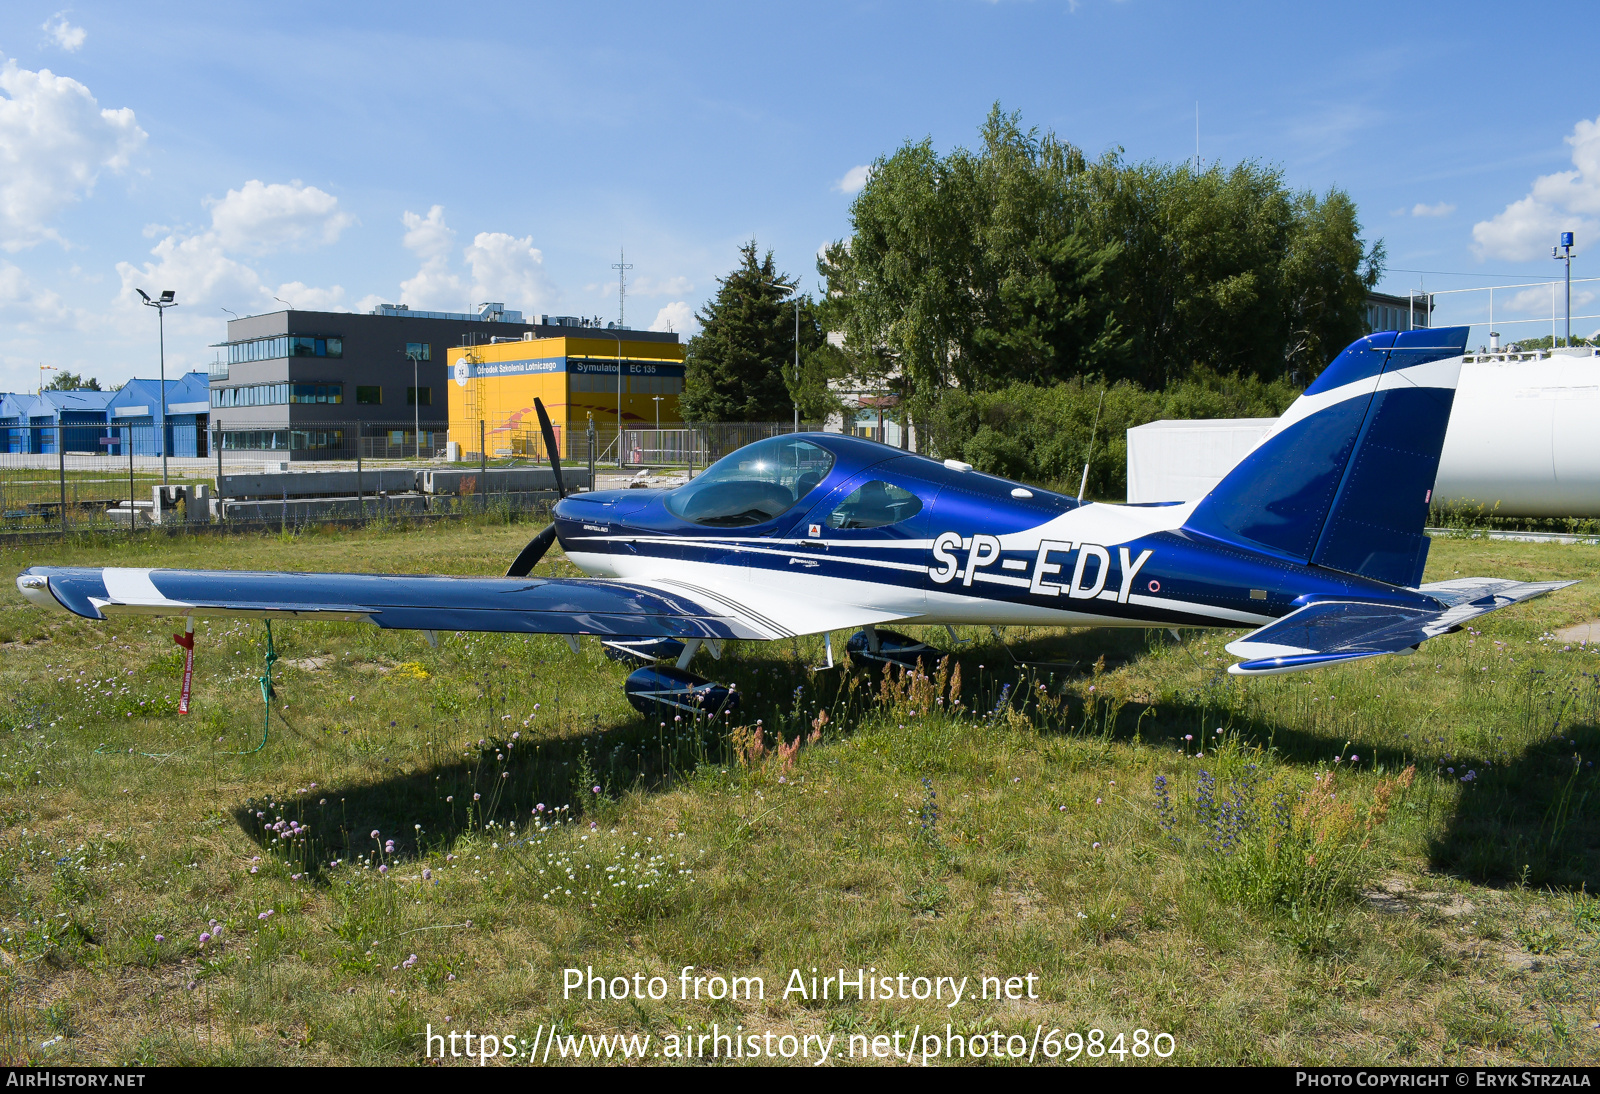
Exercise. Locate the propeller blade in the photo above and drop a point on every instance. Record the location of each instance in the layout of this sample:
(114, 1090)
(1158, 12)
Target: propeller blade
(524, 563)
(550, 446)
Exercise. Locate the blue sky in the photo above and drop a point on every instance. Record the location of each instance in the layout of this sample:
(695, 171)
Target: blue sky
(341, 155)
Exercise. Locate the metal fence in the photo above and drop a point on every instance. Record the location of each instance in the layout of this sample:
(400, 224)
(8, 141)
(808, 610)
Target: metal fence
(78, 476)
(700, 444)
(92, 476)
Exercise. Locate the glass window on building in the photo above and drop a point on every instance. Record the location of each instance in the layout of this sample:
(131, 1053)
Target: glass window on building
(255, 439)
(422, 351)
(369, 396)
(656, 385)
(302, 440)
(305, 345)
(419, 396)
(593, 382)
(317, 393)
(258, 349)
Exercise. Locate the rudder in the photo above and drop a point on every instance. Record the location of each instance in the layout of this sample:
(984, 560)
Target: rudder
(1345, 478)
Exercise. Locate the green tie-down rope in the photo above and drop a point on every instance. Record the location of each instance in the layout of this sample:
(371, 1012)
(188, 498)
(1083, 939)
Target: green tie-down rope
(267, 693)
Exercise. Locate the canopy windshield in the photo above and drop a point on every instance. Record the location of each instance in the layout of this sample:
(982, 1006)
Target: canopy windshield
(758, 483)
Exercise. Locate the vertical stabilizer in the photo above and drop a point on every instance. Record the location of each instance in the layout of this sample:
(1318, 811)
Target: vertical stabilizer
(1345, 477)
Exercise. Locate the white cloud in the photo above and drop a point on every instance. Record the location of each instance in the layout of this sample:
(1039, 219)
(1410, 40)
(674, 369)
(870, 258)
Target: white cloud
(1441, 209)
(25, 304)
(259, 218)
(677, 316)
(508, 270)
(854, 179)
(435, 287)
(1562, 202)
(201, 273)
(311, 298)
(67, 36)
(429, 236)
(54, 143)
(202, 269)
(1537, 301)
(501, 267)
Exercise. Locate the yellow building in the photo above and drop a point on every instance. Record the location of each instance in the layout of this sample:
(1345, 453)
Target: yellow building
(493, 386)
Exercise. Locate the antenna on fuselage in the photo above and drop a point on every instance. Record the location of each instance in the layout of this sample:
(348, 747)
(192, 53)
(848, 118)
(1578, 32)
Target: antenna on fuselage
(1083, 484)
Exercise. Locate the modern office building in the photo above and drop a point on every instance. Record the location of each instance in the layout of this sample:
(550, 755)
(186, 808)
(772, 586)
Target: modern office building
(575, 375)
(311, 383)
(1385, 312)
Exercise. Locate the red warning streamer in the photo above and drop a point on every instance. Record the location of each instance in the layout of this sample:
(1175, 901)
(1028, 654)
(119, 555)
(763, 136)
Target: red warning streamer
(186, 640)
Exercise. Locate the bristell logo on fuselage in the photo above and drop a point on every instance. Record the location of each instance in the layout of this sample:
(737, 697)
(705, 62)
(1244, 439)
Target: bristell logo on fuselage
(957, 557)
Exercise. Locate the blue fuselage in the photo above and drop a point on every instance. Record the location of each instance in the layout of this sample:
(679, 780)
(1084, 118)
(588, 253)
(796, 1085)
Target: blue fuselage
(978, 549)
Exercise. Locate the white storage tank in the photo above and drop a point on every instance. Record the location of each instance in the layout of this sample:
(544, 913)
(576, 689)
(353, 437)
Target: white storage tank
(1523, 441)
(1524, 436)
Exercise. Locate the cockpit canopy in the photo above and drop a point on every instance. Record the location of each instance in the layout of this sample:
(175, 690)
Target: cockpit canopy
(758, 483)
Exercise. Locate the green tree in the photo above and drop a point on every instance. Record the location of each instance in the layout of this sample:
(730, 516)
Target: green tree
(71, 381)
(967, 270)
(740, 367)
(1025, 262)
(1045, 435)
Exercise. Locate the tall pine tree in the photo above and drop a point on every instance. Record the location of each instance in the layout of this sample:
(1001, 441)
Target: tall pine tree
(736, 367)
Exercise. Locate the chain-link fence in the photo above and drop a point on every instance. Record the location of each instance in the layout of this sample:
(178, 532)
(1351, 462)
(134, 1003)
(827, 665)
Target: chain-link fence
(700, 444)
(91, 476)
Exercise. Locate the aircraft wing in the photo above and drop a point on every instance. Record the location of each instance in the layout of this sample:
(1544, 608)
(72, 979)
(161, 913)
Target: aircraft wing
(518, 605)
(1331, 632)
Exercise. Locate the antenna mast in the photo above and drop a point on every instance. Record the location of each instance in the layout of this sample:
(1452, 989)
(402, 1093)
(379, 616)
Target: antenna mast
(622, 266)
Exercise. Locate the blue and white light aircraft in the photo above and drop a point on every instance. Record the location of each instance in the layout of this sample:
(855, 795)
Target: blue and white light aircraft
(1315, 541)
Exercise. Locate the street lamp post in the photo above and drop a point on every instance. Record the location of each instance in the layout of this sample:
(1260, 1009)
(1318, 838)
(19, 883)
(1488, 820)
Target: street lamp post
(618, 336)
(416, 406)
(161, 307)
(795, 288)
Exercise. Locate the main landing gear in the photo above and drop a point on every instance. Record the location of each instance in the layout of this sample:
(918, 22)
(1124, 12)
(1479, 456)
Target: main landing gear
(874, 647)
(656, 686)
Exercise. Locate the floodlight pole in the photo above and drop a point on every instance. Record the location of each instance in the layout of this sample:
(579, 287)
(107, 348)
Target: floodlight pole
(161, 307)
(1563, 253)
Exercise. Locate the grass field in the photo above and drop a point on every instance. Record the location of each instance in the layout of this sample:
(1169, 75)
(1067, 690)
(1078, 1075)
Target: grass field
(1389, 862)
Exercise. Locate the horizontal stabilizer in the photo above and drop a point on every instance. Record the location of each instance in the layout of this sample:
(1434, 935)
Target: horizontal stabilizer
(1334, 631)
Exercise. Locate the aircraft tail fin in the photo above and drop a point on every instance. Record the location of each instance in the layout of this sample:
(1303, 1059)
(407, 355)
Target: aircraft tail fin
(1345, 478)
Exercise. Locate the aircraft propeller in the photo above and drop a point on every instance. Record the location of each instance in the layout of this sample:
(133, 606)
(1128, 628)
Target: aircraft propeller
(524, 563)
